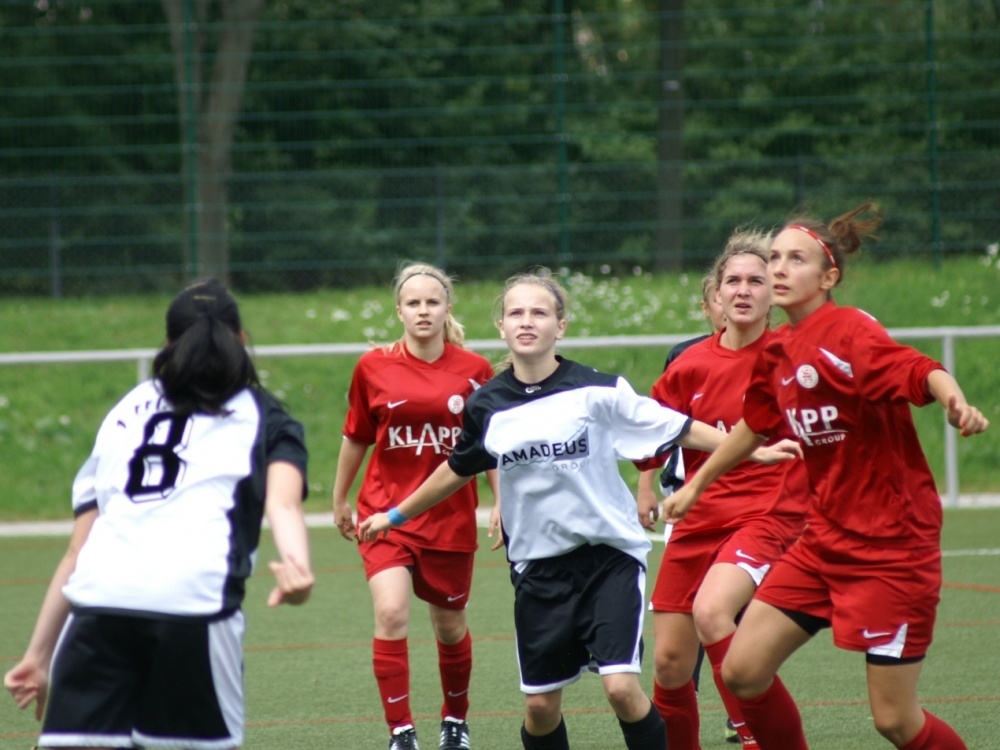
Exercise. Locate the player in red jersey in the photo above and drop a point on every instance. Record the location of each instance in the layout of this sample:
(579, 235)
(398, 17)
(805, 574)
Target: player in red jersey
(869, 562)
(716, 558)
(407, 400)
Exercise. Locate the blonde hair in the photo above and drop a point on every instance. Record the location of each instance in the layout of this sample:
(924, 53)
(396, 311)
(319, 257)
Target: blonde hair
(754, 242)
(539, 276)
(454, 332)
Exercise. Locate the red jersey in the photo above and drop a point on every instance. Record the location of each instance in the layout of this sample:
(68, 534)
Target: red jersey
(411, 411)
(844, 388)
(707, 382)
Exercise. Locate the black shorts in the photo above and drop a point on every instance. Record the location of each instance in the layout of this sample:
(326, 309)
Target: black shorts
(127, 681)
(579, 611)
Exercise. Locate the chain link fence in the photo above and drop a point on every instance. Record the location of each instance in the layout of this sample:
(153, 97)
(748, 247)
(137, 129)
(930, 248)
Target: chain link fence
(292, 145)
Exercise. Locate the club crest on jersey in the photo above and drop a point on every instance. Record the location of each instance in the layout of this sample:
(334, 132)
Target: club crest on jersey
(574, 449)
(455, 404)
(807, 376)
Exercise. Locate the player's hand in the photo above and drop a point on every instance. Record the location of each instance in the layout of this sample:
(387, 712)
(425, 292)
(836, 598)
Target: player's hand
(648, 507)
(343, 518)
(28, 682)
(495, 528)
(678, 504)
(372, 526)
(783, 450)
(966, 418)
(294, 583)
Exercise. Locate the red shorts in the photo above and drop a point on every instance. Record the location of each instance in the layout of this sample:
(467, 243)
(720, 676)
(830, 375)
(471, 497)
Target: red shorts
(440, 578)
(753, 547)
(882, 601)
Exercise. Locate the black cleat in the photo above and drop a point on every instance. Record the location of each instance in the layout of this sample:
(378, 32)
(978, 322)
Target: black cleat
(454, 735)
(405, 740)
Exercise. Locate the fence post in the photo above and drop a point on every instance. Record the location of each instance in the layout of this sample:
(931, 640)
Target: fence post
(950, 434)
(142, 369)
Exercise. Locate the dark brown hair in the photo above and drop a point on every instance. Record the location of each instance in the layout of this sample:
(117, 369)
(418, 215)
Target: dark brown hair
(204, 362)
(843, 235)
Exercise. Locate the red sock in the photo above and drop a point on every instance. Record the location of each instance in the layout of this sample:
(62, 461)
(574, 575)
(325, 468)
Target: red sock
(392, 672)
(716, 652)
(774, 720)
(679, 709)
(936, 735)
(455, 662)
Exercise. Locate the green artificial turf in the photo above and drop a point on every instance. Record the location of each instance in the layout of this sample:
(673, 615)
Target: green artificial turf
(308, 670)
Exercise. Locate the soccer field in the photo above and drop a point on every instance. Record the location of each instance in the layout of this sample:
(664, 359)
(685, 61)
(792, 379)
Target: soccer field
(308, 670)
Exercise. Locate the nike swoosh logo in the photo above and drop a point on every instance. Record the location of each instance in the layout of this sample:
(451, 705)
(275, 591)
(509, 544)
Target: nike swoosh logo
(866, 634)
(396, 700)
(394, 404)
(739, 553)
(786, 381)
(696, 396)
(455, 695)
(455, 598)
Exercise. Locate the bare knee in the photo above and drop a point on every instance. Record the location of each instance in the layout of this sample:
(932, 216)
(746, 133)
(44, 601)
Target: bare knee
(898, 724)
(392, 619)
(743, 680)
(542, 712)
(673, 667)
(713, 619)
(449, 625)
(625, 696)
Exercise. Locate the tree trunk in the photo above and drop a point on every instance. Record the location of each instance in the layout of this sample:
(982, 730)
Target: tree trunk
(217, 108)
(669, 252)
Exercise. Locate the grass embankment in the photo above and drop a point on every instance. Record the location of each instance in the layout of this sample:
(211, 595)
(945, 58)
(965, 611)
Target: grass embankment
(49, 414)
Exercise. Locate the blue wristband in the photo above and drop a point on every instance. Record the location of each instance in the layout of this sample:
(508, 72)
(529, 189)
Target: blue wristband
(396, 518)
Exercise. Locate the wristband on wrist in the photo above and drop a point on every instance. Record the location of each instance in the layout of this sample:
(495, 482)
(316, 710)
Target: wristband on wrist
(396, 518)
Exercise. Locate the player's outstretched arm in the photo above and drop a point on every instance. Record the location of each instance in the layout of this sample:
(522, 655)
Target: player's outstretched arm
(283, 506)
(961, 415)
(441, 484)
(349, 462)
(29, 680)
(739, 445)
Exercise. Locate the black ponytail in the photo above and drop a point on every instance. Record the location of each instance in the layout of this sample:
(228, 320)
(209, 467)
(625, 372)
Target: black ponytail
(204, 362)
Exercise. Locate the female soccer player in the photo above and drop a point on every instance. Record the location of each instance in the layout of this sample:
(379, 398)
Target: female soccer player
(407, 399)
(556, 429)
(716, 558)
(139, 640)
(869, 562)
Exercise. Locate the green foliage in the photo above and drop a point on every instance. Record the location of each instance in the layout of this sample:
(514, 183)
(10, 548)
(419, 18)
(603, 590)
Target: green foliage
(442, 130)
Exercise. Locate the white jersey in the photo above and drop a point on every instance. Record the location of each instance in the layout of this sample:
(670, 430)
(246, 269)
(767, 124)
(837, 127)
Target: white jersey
(180, 501)
(556, 444)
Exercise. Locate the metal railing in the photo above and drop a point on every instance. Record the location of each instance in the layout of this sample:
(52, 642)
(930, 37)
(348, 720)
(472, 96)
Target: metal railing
(144, 358)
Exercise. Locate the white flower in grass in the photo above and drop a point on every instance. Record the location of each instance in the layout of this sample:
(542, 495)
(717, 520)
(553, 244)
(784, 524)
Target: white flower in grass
(940, 301)
(637, 271)
(369, 332)
(310, 313)
(339, 315)
(605, 270)
(64, 420)
(4, 402)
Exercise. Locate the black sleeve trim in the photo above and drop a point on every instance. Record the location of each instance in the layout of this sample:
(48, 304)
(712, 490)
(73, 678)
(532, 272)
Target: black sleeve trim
(667, 447)
(79, 511)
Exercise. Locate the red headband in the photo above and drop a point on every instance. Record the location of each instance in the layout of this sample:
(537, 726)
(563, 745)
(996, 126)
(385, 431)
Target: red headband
(815, 236)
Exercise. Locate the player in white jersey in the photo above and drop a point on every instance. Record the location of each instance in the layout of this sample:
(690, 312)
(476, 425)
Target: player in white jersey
(555, 430)
(139, 640)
